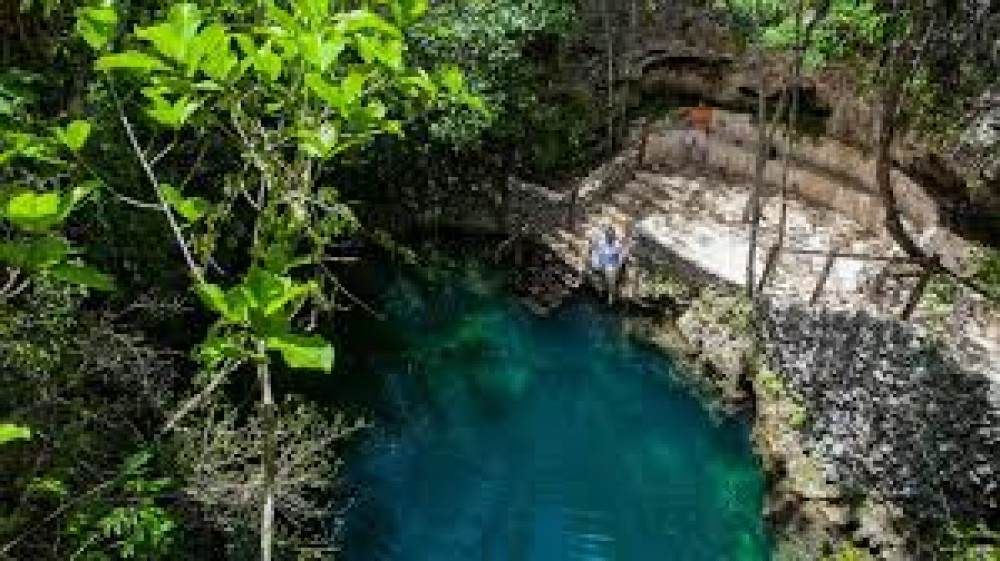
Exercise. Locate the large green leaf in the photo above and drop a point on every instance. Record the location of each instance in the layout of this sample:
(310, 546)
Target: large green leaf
(267, 63)
(96, 25)
(300, 351)
(326, 91)
(314, 11)
(286, 23)
(82, 275)
(33, 211)
(321, 52)
(175, 37)
(320, 142)
(132, 60)
(217, 348)
(75, 134)
(213, 296)
(35, 254)
(173, 115)
(405, 12)
(10, 432)
(360, 20)
(271, 292)
(41, 211)
(191, 209)
(218, 60)
(453, 80)
(389, 51)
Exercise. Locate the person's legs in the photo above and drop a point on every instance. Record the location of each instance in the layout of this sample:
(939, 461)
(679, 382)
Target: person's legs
(610, 283)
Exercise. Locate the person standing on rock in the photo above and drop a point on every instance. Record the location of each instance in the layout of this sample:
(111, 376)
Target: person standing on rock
(607, 255)
(699, 125)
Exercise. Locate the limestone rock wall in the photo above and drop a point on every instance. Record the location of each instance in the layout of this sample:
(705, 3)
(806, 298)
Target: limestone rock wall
(823, 171)
(886, 415)
(669, 49)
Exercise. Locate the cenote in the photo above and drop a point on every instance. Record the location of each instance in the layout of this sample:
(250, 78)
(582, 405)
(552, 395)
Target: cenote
(500, 436)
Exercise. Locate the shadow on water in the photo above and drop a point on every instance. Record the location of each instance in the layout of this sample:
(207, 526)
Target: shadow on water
(499, 436)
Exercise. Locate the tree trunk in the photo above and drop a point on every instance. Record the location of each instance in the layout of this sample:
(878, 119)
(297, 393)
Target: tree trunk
(917, 294)
(268, 461)
(610, 50)
(772, 259)
(887, 109)
(823, 276)
(759, 170)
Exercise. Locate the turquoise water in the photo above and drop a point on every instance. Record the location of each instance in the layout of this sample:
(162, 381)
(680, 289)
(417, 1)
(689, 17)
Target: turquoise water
(499, 436)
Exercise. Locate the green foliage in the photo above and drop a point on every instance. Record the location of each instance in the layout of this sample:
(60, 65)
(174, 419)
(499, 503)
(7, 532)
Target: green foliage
(769, 384)
(260, 307)
(74, 135)
(191, 209)
(35, 216)
(16, 94)
(971, 542)
(237, 114)
(848, 552)
(82, 275)
(988, 272)
(338, 78)
(36, 212)
(11, 433)
(300, 351)
(96, 25)
(138, 528)
(847, 29)
(488, 40)
(64, 372)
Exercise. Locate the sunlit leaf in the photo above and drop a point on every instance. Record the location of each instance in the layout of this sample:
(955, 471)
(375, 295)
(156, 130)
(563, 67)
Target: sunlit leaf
(173, 115)
(267, 63)
(218, 348)
(300, 351)
(31, 210)
(314, 10)
(358, 20)
(284, 20)
(174, 38)
(132, 60)
(213, 297)
(272, 292)
(321, 52)
(10, 432)
(389, 52)
(191, 209)
(453, 80)
(96, 25)
(212, 53)
(75, 135)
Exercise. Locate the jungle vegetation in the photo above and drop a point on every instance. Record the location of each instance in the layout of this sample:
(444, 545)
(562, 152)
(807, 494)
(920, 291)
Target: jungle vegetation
(182, 184)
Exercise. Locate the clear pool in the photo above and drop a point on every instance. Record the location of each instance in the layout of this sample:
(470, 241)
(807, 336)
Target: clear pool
(500, 436)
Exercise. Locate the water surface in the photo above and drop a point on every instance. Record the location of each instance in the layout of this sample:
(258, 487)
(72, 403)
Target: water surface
(502, 437)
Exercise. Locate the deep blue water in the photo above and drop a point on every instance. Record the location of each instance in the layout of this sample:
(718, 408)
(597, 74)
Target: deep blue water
(501, 437)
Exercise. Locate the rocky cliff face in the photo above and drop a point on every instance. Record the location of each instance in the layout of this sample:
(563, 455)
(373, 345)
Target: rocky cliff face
(886, 419)
(664, 52)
